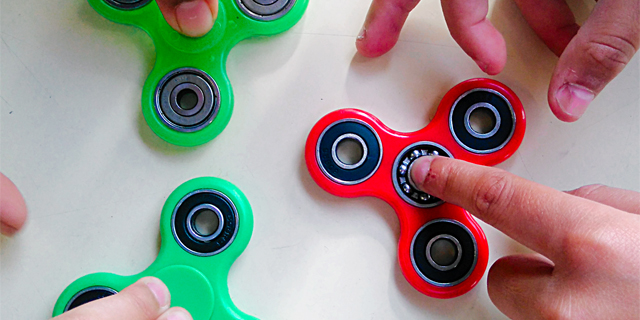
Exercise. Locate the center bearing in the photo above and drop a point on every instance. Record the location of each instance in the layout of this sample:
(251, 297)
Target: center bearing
(402, 182)
(443, 252)
(127, 4)
(187, 99)
(186, 231)
(265, 10)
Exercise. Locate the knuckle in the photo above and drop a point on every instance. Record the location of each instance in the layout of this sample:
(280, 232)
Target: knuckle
(573, 244)
(560, 310)
(610, 52)
(586, 248)
(407, 6)
(585, 191)
(491, 194)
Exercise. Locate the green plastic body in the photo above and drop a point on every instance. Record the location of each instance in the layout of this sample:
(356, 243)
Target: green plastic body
(196, 283)
(207, 53)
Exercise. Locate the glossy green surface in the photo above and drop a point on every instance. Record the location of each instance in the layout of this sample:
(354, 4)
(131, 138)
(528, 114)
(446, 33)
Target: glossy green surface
(196, 283)
(207, 53)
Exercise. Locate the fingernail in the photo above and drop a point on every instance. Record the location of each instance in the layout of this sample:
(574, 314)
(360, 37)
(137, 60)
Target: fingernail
(574, 99)
(420, 170)
(179, 314)
(159, 290)
(362, 34)
(483, 66)
(194, 18)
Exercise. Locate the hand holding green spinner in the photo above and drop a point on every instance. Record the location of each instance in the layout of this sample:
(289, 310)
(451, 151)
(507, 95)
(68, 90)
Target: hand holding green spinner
(187, 99)
(193, 262)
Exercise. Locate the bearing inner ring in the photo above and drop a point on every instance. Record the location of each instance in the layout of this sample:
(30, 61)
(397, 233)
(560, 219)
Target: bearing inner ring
(127, 4)
(457, 247)
(336, 158)
(477, 142)
(265, 10)
(183, 222)
(192, 227)
(87, 295)
(182, 89)
(177, 83)
(432, 272)
(496, 116)
(402, 182)
(338, 171)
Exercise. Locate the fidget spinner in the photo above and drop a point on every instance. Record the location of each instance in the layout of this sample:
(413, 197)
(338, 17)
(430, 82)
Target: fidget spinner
(187, 99)
(205, 225)
(442, 250)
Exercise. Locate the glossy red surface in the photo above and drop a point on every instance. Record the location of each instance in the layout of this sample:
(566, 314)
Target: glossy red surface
(380, 184)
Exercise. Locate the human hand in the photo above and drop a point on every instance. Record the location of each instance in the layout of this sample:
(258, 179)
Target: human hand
(146, 299)
(13, 210)
(589, 238)
(589, 59)
(193, 18)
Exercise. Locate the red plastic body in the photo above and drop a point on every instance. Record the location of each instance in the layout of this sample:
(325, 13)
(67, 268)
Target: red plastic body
(380, 184)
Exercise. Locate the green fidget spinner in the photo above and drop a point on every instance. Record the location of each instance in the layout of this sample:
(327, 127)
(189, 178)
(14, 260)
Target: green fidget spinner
(205, 225)
(187, 99)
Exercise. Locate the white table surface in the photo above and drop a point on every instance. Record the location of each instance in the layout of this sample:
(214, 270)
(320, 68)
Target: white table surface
(95, 177)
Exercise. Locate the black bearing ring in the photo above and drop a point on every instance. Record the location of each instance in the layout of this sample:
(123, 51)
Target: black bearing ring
(183, 222)
(87, 295)
(349, 174)
(402, 182)
(502, 113)
(195, 82)
(127, 4)
(465, 246)
(265, 10)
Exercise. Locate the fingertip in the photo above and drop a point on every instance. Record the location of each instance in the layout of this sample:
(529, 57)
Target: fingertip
(597, 53)
(491, 68)
(195, 18)
(419, 171)
(492, 54)
(7, 230)
(382, 26)
(372, 45)
(569, 101)
(13, 209)
(159, 290)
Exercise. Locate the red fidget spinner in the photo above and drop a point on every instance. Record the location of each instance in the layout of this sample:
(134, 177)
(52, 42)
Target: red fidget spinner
(442, 250)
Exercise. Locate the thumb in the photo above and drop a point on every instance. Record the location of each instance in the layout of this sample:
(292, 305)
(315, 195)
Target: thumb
(146, 299)
(518, 285)
(600, 50)
(193, 18)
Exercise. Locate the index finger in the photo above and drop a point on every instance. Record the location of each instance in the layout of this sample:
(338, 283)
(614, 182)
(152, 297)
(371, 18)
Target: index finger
(469, 26)
(543, 219)
(382, 26)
